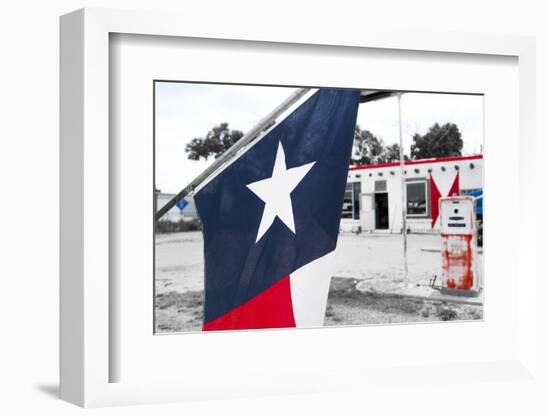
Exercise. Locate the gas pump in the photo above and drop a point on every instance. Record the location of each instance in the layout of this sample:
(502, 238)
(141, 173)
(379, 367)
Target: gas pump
(459, 246)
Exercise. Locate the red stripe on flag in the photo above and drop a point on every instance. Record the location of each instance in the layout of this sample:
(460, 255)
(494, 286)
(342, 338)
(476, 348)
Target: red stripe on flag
(270, 309)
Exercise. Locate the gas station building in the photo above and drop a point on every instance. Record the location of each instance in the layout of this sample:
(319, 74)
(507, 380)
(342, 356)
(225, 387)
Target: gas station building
(373, 199)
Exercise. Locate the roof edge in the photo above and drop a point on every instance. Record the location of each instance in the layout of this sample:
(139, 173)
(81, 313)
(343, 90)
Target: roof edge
(418, 162)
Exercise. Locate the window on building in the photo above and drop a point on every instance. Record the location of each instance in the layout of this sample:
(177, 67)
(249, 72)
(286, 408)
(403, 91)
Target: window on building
(417, 198)
(351, 207)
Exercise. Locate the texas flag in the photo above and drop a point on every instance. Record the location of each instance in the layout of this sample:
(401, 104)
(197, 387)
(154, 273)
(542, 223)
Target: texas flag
(271, 218)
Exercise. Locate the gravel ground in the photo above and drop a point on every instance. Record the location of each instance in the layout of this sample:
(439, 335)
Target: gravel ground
(178, 311)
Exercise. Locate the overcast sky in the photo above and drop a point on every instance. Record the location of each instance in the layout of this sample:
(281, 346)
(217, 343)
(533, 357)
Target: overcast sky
(185, 111)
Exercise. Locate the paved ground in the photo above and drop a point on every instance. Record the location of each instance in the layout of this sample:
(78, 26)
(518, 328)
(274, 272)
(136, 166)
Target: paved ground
(368, 266)
(375, 259)
(179, 262)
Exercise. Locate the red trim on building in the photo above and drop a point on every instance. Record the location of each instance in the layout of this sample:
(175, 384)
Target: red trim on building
(434, 200)
(419, 162)
(435, 195)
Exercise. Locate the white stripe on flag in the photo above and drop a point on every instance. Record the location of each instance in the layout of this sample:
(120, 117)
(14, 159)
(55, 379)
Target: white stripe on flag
(309, 287)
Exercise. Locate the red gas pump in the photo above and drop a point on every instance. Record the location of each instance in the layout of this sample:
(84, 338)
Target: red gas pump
(459, 245)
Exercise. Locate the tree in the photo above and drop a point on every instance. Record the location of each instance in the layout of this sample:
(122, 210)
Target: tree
(439, 141)
(366, 146)
(216, 142)
(371, 150)
(391, 154)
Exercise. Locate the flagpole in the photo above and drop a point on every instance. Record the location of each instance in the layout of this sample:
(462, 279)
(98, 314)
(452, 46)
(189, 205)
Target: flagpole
(403, 190)
(234, 149)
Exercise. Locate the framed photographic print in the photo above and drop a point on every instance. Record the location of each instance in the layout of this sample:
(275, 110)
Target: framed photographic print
(220, 192)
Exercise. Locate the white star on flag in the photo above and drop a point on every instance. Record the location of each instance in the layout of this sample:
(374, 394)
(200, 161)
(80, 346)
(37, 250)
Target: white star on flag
(275, 192)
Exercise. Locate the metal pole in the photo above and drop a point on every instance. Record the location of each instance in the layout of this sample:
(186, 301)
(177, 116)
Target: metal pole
(403, 190)
(266, 122)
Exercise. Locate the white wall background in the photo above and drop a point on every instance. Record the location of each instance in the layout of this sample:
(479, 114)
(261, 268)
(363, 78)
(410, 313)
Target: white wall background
(29, 203)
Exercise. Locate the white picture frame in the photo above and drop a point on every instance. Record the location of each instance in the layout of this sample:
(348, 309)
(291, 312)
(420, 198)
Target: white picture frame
(85, 222)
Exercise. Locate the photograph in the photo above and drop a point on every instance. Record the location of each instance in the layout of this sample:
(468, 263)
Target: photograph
(287, 207)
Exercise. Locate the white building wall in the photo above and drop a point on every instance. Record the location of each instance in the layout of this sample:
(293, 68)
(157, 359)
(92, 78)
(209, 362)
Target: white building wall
(443, 172)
